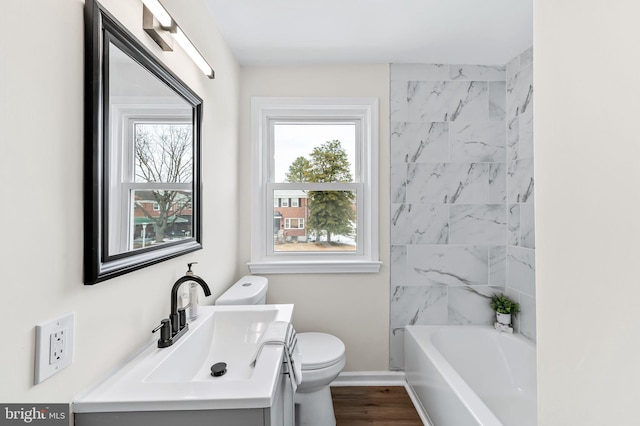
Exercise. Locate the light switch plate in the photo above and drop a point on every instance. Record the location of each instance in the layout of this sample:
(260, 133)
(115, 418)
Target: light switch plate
(54, 346)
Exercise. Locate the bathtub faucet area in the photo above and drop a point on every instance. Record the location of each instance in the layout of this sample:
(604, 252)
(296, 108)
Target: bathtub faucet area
(174, 327)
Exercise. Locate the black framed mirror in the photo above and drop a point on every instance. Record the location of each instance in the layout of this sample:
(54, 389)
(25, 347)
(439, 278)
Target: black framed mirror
(142, 154)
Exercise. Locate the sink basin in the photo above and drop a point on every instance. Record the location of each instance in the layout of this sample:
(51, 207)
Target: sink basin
(179, 377)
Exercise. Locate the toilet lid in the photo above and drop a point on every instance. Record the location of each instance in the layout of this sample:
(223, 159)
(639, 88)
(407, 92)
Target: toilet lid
(319, 350)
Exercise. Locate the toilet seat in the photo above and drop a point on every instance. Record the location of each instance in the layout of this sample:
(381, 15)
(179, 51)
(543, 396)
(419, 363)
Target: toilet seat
(319, 350)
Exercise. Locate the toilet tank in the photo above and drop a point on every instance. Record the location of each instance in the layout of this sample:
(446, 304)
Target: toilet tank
(248, 290)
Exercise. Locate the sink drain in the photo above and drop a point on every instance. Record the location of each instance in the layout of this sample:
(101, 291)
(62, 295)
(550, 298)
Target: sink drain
(218, 369)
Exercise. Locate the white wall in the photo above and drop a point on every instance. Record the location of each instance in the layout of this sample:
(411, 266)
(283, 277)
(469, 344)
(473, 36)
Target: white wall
(41, 114)
(587, 167)
(354, 307)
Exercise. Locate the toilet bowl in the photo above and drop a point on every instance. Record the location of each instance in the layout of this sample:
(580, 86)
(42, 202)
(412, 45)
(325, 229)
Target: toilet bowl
(322, 357)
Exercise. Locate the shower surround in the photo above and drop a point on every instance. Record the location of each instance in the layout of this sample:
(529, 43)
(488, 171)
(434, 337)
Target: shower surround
(461, 194)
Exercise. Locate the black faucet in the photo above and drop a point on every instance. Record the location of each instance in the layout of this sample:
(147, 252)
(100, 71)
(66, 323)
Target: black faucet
(172, 328)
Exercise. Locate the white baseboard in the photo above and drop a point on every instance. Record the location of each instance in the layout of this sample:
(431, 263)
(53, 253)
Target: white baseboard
(370, 378)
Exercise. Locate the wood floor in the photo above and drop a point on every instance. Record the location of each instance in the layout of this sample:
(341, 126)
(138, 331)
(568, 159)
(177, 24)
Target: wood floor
(373, 405)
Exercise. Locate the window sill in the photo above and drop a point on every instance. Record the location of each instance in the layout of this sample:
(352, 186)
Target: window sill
(315, 267)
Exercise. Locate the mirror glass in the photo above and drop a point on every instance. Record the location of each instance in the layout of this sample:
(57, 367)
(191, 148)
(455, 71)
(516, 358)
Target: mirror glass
(142, 152)
(150, 159)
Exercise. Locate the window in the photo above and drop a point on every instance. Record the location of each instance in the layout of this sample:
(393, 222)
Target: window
(318, 156)
(152, 187)
(294, 223)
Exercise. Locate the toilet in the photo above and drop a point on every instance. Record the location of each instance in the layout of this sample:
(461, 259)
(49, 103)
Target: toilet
(322, 356)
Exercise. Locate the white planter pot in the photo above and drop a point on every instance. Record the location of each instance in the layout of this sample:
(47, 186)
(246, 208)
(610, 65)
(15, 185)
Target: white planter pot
(503, 318)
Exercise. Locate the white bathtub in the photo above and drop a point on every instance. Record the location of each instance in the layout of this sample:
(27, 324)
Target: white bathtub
(472, 375)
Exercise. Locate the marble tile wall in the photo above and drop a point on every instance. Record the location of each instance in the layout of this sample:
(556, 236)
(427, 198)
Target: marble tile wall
(520, 282)
(456, 169)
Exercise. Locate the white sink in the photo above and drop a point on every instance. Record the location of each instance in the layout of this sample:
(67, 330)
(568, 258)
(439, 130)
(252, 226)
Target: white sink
(179, 377)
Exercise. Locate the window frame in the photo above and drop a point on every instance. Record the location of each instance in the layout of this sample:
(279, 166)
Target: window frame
(265, 111)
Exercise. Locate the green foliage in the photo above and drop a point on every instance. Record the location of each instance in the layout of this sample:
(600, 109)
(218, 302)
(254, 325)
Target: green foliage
(330, 163)
(330, 212)
(298, 170)
(504, 305)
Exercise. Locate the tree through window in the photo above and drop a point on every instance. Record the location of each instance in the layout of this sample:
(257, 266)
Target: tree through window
(163, 154)
(329, 213)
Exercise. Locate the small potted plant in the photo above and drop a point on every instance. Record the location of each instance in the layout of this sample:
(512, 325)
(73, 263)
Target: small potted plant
(504, 307)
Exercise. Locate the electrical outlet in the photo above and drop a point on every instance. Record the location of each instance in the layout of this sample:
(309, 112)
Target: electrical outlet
(54, 346)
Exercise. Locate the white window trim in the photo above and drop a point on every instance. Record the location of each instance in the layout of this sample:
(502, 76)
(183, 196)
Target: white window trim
(264, 260)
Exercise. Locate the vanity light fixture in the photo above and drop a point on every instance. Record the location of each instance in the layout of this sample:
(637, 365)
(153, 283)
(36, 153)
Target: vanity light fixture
(160, 13)
(161, 27)
(193, 53)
